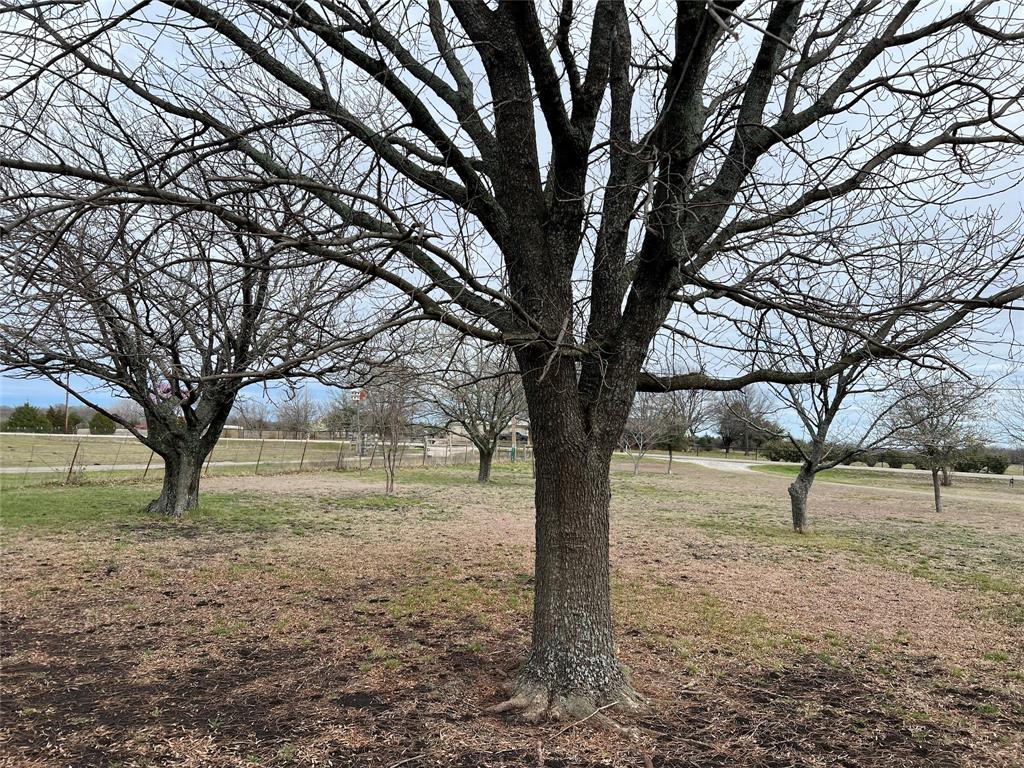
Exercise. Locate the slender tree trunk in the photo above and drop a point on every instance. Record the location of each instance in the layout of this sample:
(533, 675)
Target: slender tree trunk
(180, 491)
(798, 492)
(389, 452)
(947, 477)
(483, 474)
(937, 487)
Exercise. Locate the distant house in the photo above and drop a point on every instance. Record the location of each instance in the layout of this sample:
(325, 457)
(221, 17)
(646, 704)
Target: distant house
(522, 425)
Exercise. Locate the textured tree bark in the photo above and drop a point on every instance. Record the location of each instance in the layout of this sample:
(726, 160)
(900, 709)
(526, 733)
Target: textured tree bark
(798, 491)
(184, 449)
(483, 474)
(937, 487)
(572, 668)
(180, 491)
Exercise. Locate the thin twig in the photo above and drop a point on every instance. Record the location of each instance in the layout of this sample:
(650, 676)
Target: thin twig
(573, 725)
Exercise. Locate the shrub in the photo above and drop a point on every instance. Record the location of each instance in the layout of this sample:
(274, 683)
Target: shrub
(27, 418)
(779, 450)
(101, 425)
(996, 463)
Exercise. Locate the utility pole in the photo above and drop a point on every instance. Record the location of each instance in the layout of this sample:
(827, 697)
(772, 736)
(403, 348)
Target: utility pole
(67, 395)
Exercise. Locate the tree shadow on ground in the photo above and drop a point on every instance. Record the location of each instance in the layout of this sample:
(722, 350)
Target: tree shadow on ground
(88, 698)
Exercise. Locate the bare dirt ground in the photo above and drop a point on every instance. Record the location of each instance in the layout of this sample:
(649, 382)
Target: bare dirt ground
(306, 620)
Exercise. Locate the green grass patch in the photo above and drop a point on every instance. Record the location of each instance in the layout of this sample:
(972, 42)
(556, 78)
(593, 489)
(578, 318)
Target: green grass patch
(884, 478)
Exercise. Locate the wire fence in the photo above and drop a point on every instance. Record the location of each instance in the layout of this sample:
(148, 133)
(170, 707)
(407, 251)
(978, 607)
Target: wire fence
(36, 459)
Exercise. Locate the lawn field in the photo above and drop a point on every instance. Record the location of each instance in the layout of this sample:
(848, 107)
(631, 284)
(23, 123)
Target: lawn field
(97, 451)
(310, 620)
(37, 459)
(903, 478)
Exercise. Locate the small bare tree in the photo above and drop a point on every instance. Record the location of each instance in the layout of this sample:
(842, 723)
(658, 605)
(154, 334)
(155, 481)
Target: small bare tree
(1011, 415)
(391, 408)
(818, 405)
(299, 414)
(650, 423)
(479, 391)
(744, 417)
(944, 414)
(130, 412)
(252, 414)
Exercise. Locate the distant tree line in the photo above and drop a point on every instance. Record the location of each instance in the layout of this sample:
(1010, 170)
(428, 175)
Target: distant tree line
(976, 458)
(30, 418)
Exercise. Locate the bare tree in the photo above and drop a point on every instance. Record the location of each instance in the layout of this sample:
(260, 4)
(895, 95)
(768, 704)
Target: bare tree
(1011, 415)
(176, 315)
(692, 411)
(650, 422)
(818, 405)
(391, 409)
(943, 413)
(846, 414)
(479, 390)
(744, 417)
(610, 192)
(130, 412)
(299, 414)
(340, 415)
(252, 413)
(688, 412)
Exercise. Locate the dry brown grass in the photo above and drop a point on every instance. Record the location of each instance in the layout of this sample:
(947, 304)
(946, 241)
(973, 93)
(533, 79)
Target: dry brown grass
(336, 627)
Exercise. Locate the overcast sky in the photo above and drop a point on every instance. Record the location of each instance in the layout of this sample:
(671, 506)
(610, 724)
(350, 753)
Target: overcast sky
(997, 361)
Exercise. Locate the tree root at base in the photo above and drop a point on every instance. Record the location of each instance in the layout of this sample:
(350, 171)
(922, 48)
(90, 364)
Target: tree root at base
(160, 507)
(535, 702)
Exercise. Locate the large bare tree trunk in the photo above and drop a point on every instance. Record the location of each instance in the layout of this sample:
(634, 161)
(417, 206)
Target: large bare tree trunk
(937, 487)
(572, 667)
(798, 492)
(180, 491)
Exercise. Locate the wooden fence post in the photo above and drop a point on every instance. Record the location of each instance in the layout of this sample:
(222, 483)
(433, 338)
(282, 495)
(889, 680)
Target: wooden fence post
(117, 455)
(73, 459)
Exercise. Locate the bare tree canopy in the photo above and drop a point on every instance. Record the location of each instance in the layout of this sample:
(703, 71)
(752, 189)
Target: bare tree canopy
(391, 408)
(478, 390)
(1011, 416)
(939, 418)
(176, 315)
(618, 192)
(829, 431)
(650, 422)
(745, 419)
